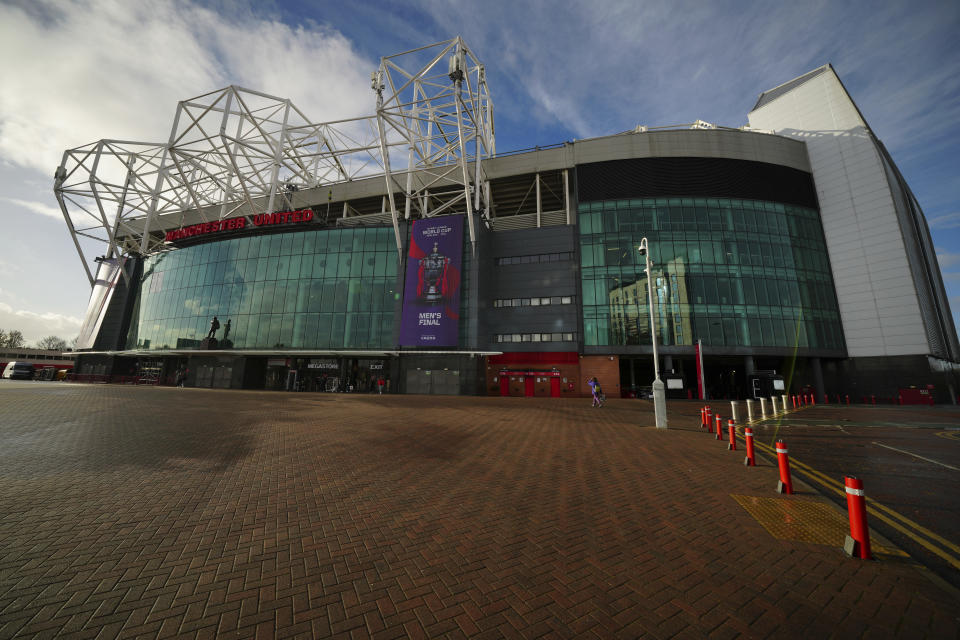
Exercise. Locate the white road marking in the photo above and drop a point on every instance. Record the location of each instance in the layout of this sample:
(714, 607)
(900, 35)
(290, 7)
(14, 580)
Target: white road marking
(916, 456)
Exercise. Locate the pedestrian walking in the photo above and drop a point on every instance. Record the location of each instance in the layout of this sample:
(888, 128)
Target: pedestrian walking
(380, 385)
(596, 391)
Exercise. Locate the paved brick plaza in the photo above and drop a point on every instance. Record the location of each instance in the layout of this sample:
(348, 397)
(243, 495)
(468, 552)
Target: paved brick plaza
(182, 512)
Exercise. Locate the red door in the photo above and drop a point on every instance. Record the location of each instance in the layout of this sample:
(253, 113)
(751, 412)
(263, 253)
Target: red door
(528, 386)
(554, 387)
(504, 385)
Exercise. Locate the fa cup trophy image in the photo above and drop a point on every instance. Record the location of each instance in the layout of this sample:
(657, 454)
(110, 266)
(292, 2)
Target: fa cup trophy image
(432, 283)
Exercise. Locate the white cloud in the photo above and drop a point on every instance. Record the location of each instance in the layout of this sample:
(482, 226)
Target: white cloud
(947, 258)
(113, 69)
(37, 207)
(945, 221)
(35, 326)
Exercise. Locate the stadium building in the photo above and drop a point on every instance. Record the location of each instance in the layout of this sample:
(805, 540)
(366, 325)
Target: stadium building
(257, 249)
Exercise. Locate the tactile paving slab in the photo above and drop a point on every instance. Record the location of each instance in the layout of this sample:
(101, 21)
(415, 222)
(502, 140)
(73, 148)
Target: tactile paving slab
(802, 520)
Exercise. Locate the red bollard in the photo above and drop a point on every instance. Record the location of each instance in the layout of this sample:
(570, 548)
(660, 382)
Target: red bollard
(732, 445)
(848, 398)
(784, 485)
(703, 417)
(709, 420)
(858, 542)
(793, 399)
(751, 459)
(826, 398)
(873, 399)
(813, 399)
(719, 428)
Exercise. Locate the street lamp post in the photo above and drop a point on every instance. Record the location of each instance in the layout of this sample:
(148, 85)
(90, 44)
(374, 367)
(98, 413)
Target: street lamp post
(659, 393)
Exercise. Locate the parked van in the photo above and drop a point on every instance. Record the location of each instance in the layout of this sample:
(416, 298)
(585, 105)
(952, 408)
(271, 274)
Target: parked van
(18, 370)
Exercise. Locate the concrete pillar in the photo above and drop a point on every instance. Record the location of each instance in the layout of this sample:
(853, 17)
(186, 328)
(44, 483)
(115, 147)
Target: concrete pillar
(818, 378)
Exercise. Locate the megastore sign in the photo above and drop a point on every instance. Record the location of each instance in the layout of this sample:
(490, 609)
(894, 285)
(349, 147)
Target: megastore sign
(234, 224)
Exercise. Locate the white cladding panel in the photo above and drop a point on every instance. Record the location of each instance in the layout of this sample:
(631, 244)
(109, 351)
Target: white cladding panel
(875, 290)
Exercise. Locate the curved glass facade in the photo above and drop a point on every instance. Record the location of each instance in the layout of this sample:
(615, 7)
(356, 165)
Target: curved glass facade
(734, 273)
(301, 290)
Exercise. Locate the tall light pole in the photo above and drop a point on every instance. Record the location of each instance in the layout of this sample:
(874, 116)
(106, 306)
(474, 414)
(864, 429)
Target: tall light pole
(659, 393)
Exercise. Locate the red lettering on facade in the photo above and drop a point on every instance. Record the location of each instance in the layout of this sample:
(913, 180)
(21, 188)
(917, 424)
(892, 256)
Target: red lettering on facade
(260, 219)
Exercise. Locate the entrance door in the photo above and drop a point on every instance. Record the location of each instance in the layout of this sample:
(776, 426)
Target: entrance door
(529, 386)
(554, 387)
(504, 385)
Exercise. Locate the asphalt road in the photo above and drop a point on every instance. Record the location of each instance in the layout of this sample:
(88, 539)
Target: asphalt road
(908, 459)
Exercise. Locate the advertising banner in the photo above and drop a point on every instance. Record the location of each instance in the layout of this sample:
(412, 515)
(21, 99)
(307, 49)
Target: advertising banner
(431, 293)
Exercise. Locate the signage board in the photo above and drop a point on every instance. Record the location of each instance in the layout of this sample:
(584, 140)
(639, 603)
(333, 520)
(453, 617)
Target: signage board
(431, 293)
(235, 224)
(323, 364)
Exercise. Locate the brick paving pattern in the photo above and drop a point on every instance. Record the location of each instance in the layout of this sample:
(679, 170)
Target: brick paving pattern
(156, 512)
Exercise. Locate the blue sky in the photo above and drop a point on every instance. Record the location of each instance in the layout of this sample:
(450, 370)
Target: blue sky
(557, 71)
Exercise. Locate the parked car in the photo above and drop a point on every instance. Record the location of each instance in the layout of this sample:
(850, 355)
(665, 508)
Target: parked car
(47, 373)
(18, 371)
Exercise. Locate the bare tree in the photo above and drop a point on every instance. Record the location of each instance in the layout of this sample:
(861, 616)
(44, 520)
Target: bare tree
(3, 338)
(53, 343)
(14, 339)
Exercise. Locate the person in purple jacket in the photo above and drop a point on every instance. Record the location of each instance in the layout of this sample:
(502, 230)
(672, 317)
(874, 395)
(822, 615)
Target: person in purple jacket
(597, 393)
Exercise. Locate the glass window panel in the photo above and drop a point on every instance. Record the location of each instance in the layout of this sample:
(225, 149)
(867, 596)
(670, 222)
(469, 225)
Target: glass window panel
(254, 246)
(710, 290)
(340, 296)
(773, 292)
(760, 288)
(285, 336)
(320, 266)
(266, 300)
(283, 267)
(309, 242)
(263, 331)
(324, 322)
(723, 290)
(279, 296)
(380, 268)
(586, 254)
(356, 265)
(271, 248)
(337, 328)
(262, 264)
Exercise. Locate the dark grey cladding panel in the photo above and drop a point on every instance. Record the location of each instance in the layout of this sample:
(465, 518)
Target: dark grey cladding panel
(769, 96)
(542, 279)
(694, 177)
(533, 319)
(533, 241)
(533, 279)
